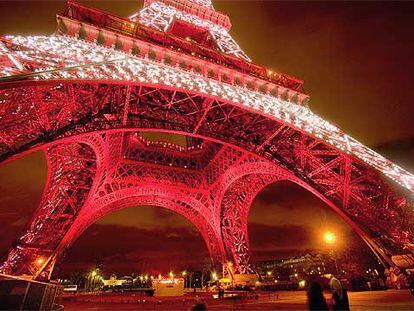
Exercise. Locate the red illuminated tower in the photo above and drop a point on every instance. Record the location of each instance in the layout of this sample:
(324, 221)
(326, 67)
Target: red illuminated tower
(86, 94)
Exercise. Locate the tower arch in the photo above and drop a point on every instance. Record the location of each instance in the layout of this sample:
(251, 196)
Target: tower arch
(79, 95)
(211, 238)
(235, 208)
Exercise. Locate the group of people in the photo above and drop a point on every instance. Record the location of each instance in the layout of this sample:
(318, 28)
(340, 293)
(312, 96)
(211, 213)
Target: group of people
(317, 301)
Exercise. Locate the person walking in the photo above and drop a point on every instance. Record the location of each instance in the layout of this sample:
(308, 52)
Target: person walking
(316, 300)
(339, 295)
(412, 286)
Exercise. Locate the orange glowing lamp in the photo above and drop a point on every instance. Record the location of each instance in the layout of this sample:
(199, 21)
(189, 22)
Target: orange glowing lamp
(40, 261)
(329, 237)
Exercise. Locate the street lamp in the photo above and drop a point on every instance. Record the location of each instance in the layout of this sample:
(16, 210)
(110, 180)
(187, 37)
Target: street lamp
(329, 237)
(40, 261)
(184, 274)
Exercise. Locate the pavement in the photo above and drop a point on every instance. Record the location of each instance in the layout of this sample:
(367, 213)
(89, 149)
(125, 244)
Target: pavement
(284, 300)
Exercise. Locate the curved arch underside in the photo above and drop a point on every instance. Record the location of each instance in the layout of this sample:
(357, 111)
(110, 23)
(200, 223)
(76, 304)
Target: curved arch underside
(98, 163)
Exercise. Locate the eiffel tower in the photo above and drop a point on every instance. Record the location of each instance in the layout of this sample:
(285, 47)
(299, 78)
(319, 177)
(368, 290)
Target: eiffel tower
(88, 95)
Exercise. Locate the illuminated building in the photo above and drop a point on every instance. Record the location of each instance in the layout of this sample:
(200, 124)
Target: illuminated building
(87, 93)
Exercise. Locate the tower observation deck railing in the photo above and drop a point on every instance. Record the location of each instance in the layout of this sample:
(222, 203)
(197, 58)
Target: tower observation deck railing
(125, 27)
(207, 13)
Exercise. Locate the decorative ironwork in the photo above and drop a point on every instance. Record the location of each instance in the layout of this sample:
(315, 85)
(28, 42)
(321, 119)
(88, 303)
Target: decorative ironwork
(86, 105)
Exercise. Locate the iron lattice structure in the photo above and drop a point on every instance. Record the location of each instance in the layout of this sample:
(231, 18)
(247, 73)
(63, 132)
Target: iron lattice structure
(85, 95)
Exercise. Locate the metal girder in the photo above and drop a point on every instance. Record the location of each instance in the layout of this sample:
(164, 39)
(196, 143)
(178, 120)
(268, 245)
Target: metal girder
(95, 114)
(85, 105)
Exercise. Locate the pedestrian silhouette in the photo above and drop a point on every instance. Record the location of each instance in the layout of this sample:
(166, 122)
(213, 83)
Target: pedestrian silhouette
(199, 306)
(412, 286)
(316, 300)
(339, 295)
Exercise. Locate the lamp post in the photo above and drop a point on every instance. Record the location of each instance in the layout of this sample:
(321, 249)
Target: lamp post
(330, 239)
(184, 274)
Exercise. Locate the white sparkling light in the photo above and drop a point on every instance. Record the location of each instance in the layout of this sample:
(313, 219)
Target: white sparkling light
(70, 58)
(160, 16)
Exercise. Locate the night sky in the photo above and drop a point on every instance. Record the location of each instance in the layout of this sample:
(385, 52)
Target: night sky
(357, 63)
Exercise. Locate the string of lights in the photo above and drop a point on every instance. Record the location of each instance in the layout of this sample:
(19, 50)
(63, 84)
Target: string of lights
(160, 16)
(60, 54)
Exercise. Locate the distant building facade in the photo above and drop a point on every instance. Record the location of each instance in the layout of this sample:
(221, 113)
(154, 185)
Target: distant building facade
(296, 267)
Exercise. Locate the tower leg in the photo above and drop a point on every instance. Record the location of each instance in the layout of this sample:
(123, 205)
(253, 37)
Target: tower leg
(235, 209)
(71, 172)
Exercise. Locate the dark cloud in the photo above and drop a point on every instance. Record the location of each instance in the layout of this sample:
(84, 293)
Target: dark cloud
(286, 203)
(355, 58)
(145, 217)
(21, 185)
(130, 249)
(400, 151)
(275, 238)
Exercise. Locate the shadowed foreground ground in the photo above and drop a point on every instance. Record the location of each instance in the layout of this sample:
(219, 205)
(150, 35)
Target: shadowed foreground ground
(292, 300)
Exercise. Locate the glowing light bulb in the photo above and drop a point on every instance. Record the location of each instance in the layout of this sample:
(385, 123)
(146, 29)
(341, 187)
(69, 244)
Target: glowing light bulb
(329, 237)
(40, 261)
